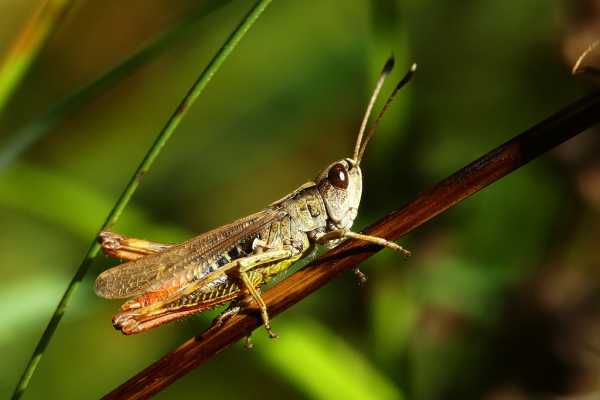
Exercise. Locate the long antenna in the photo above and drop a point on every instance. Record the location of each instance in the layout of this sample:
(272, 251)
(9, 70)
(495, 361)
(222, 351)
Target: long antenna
(592, 71)
(403, 82)
(387, 68)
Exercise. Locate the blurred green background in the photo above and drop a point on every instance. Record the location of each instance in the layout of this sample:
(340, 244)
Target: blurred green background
(501, 296)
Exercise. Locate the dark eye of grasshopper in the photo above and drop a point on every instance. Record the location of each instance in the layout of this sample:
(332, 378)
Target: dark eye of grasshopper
(338, 176)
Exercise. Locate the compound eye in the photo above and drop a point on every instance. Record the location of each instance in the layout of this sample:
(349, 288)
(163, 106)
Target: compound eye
(338, 176)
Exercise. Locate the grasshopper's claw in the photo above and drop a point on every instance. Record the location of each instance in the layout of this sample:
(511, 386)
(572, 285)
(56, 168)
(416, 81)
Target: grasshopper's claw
(363, 278)
(273, 335)
(225, 315)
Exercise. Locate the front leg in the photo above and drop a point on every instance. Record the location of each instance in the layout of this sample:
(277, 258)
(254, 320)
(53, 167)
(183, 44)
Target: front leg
(345, 233)
(334, 236)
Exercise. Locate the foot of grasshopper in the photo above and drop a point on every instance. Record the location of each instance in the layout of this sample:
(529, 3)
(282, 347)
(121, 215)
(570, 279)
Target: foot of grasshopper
(231, 311)
(248, 344)
(361, 276)
(235, 310)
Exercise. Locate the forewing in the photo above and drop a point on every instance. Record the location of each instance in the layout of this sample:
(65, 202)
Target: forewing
(135, 277)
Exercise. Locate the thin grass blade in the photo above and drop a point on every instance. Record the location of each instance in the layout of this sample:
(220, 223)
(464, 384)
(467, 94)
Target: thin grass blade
(189, 99)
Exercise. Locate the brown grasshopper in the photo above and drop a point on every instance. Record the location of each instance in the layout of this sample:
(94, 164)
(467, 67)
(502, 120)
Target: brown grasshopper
(169, 281)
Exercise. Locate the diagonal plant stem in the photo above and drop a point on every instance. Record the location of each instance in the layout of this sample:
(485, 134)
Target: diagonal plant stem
(492, 166)
(191, 96)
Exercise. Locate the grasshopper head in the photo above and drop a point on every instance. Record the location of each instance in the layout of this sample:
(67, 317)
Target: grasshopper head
(340, 186)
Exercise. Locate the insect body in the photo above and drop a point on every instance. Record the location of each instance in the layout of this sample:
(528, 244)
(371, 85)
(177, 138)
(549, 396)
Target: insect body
(168, 281)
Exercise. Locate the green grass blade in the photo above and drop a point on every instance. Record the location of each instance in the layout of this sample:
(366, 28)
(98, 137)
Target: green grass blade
(32, 132)
(196, 89)
(338, 370)
(43, 23)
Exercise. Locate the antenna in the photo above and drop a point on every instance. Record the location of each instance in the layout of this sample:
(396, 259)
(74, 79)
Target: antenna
(387, 68)
(403, 82)
(592, 71)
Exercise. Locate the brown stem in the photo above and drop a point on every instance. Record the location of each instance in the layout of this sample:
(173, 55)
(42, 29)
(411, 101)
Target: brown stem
(499, 162)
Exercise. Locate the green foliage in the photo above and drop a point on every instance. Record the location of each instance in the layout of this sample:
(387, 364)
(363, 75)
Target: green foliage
(495, 283)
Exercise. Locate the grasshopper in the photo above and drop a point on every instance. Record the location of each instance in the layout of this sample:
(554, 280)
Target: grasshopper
(169, 281)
